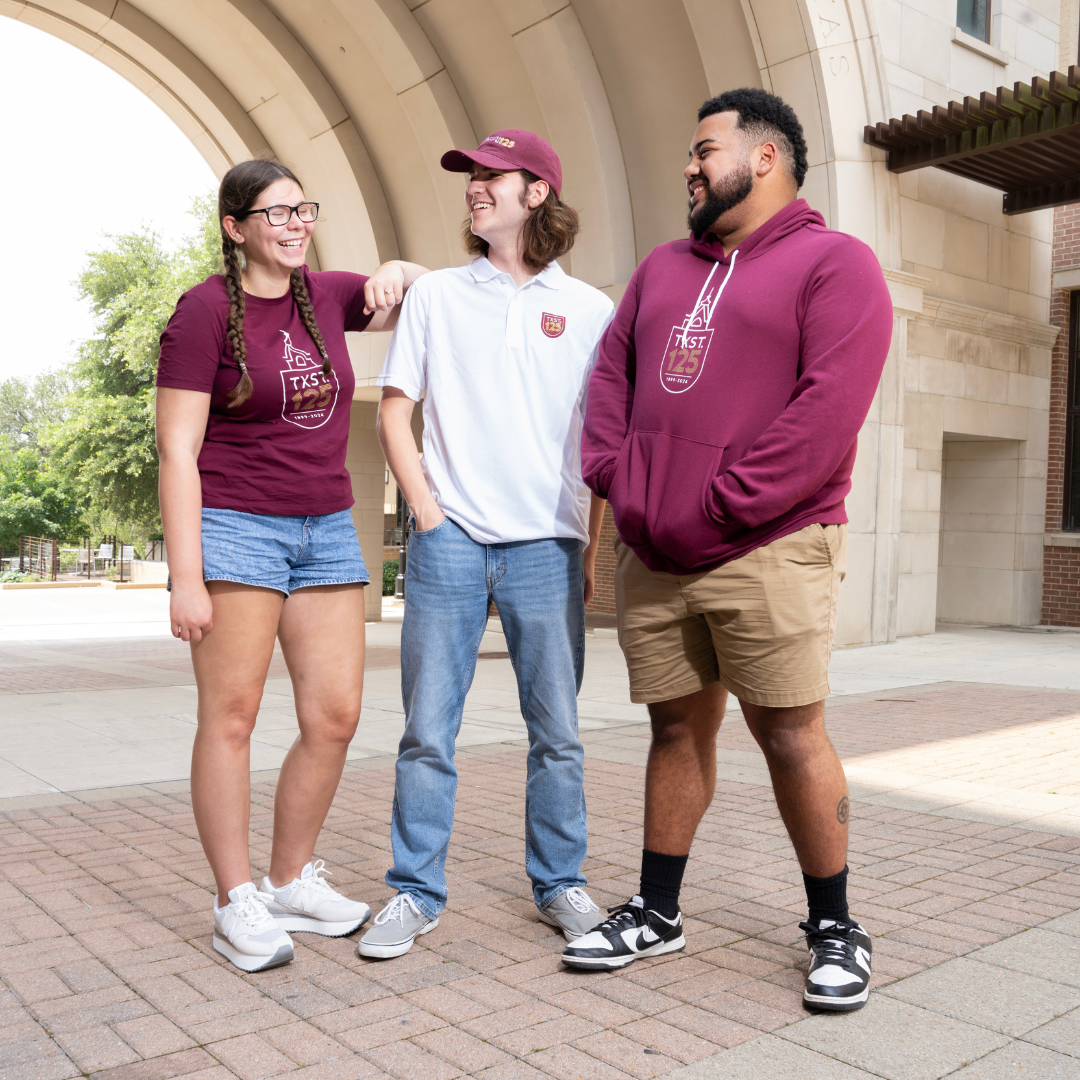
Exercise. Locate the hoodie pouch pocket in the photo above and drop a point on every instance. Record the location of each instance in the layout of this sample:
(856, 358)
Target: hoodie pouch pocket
(659, 495)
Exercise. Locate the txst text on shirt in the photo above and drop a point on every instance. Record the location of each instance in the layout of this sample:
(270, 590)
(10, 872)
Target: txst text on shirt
(307, 391)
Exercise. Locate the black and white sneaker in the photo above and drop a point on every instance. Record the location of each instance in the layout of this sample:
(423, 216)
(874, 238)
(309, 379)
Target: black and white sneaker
(628, 933)
(839, 978)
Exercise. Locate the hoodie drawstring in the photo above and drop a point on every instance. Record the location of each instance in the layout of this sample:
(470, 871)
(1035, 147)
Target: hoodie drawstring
(721, 289)
(697, 303)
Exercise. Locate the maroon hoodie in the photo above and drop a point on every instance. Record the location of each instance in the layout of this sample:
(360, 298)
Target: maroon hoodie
(724, 408)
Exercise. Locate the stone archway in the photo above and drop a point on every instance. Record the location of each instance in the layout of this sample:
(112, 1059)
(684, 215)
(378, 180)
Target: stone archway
(363, 96)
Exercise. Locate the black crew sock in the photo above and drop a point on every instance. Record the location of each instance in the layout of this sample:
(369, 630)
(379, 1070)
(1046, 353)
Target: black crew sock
(827, 897)
(661, 879)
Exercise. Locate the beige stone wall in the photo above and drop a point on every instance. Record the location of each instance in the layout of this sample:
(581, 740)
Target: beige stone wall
(1068, 34)
(954, 234)
(927, 60)
(976, 401)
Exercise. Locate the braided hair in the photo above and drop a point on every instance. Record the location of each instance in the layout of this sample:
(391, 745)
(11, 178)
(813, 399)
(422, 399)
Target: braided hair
(307, 315)
(240, 188)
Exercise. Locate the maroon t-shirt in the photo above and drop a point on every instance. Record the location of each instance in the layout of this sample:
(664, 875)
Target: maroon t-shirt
(283, 450)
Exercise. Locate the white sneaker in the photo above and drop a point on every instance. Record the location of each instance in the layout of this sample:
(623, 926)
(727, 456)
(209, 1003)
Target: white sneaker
(245, 934)
(308, 903)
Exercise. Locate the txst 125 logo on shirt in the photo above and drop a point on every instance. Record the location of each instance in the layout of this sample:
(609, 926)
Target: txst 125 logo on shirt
(553, 325)
(309, 395)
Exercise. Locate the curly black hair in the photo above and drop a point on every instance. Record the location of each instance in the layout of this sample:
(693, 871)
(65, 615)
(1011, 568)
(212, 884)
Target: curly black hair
(764, 116)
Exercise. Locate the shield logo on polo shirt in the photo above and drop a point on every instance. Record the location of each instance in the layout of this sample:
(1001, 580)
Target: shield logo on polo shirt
(553, 325)
(308, 395)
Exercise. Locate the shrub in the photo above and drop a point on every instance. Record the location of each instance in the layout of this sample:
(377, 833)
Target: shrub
(14, 576)
(389, 577)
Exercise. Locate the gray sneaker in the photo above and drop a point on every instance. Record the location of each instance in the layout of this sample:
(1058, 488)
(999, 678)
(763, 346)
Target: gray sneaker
(394, 928)
(573, 912)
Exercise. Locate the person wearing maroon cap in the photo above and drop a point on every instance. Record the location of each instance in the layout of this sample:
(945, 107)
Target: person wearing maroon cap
(511, 150)
(500, 351)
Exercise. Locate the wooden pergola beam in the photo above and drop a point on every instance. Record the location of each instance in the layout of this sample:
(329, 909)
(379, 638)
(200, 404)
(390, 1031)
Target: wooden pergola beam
(1023, 140)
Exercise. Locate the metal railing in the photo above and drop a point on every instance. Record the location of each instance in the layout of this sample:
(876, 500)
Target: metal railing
(40, 556)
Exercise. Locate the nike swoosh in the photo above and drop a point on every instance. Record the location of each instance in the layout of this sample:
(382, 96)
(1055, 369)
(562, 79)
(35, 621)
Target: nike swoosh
(644, 942)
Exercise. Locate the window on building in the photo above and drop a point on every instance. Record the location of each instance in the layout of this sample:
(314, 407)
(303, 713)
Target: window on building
(1072, 423)
(973, 17)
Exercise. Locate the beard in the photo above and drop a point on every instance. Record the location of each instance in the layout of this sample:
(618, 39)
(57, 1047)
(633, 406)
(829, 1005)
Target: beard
(721, 197)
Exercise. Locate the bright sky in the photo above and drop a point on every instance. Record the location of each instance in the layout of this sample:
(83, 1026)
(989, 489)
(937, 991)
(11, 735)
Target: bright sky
(85, 154)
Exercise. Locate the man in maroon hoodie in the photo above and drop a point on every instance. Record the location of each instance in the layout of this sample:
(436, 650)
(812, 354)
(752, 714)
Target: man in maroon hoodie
(721, 425)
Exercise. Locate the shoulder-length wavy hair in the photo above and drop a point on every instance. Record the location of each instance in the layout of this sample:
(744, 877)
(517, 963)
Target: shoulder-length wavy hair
(548, 234)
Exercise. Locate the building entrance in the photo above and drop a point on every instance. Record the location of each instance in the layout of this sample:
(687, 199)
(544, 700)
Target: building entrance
(990, 553)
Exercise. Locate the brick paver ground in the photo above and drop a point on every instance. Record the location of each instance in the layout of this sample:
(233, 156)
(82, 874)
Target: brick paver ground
(107, 968)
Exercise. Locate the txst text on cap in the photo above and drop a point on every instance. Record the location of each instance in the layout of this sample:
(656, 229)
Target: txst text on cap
(507, 150)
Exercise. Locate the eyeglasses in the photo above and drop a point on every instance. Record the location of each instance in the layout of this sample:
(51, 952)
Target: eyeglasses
(281, 215)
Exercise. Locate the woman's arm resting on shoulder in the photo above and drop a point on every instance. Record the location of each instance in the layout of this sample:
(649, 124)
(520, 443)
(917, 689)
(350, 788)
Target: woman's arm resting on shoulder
(181, 425)
(395, 433)
(596, 520)
(386, 288)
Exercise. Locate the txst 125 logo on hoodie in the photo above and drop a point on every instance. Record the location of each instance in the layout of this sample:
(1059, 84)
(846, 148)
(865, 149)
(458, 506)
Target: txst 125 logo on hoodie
(309, 395)
(684, 357)
(688, 345)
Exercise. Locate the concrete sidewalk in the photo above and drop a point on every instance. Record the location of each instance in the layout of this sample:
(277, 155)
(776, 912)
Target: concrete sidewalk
(963, 755)
(82, 613)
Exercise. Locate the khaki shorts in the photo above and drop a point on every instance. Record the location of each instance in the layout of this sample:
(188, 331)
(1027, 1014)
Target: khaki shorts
(762, 625)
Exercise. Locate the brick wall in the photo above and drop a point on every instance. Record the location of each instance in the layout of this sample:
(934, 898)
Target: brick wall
(1066, 256)
(1059, 380)
(604, 600)
(1061, 586)
(1061, 566)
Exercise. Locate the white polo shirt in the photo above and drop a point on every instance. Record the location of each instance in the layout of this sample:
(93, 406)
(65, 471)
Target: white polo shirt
(503, 373)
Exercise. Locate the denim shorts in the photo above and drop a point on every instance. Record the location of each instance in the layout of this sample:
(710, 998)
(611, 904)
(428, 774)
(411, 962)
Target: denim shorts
(283, 553)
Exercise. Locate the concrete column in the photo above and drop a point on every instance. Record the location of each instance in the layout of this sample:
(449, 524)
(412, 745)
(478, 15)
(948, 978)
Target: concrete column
(868, 609)
(366, 465)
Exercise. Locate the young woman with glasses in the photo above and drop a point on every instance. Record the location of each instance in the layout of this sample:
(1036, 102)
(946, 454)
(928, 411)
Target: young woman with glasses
(254, 389)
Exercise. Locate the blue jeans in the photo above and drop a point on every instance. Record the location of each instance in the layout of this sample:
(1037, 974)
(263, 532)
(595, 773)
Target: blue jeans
(538, 586)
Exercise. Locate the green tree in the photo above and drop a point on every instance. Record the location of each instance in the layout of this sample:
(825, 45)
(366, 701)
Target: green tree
(33, 500)
(27, 407)
(105, 443)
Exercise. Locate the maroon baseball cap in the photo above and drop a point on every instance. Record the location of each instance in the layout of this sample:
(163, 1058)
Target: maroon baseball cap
(508, 150)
